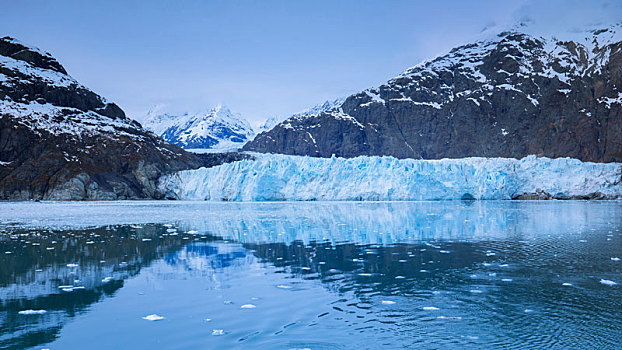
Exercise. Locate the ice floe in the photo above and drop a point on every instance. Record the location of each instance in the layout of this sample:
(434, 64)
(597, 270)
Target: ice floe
(608, 282)
(153, 317)
(430, 308)
(32, 312)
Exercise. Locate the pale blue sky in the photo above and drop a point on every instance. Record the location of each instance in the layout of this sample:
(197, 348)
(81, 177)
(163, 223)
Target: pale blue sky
(261, 58)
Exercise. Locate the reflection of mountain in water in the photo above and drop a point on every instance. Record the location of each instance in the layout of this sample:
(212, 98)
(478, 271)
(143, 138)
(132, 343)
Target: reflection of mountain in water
(208, 258)
(90, 264)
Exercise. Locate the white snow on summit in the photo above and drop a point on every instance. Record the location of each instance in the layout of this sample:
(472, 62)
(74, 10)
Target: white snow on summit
(280, 177)
(217, 129)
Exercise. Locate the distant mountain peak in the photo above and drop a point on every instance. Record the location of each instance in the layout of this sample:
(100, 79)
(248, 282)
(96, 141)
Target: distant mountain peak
(216, 128)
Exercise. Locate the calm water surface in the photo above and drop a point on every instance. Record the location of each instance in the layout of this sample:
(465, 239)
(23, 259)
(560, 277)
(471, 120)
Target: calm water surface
(523, 275)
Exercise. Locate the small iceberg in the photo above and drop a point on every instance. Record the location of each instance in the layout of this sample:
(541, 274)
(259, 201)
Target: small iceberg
(72, 265)
(607, 282)
(283, 286)
(566, 284)
(248, 306)
(449, 317)
(218, 332)
(32, 312)
(387, 302)
(615, 259)
(153, 317)
(430, 308)
(106, 279)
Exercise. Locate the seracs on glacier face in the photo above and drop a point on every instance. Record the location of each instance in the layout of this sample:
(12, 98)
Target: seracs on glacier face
(280, 177)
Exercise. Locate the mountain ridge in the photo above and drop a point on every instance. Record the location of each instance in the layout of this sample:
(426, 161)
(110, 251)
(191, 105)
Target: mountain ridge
(510, 96)
(60, 140)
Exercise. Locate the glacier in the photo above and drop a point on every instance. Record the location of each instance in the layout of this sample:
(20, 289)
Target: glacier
(273, 177)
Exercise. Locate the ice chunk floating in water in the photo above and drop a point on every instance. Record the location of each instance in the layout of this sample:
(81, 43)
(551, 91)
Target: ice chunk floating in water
(430, 308)
(607, 282)
(32, 312)
(153, 317)
(281, 177)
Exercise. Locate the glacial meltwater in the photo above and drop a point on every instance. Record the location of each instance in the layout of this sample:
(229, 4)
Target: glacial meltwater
(311, 275)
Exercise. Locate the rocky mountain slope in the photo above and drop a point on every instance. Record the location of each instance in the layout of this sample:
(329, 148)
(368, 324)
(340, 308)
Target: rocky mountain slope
(510, 95)
(217, 129)
(60, 140)
(322, 107)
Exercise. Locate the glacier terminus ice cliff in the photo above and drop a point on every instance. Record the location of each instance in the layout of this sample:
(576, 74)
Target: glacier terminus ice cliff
(270, 177)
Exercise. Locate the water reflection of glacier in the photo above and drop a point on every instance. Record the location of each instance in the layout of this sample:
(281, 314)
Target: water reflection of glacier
(359, 222)
(514, 255)
(387, 223)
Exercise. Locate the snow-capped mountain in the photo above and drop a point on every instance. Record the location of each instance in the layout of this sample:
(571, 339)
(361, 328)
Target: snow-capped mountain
(325, 106)
(511, 94)
(217, 129)
(60, 140)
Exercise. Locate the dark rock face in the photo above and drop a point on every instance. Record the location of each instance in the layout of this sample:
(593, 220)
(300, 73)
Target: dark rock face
(59, 140)
(511, 96)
